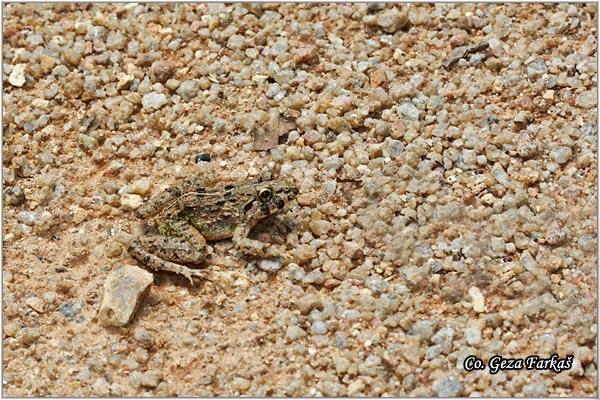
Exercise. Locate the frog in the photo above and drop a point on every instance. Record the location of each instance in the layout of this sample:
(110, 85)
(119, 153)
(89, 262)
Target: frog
(185, 216)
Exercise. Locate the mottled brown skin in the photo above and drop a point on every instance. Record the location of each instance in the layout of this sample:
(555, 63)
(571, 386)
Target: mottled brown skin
(186, 216)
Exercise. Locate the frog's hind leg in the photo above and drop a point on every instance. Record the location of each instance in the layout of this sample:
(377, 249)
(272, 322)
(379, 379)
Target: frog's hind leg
(175, 249)
(165, 253)
(158, 264)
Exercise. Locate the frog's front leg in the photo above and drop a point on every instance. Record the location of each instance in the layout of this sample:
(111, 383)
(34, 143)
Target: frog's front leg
(253, 247)
(164, 253)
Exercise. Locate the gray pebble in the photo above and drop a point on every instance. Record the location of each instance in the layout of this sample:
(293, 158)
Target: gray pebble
(409, 111)
(270, 265)
(433, 351)
(318, 328)
(236, 42)
(340, 340)
(28, 218)
(294, 332)
(143, 337)
(448, 386)
(589, 129)
(423, 329)
(587, 99)
(561, 154)
(376, 285)
(314, 276)
(473, 336)
(70, 310)
(392, 148)
(333, 162)
(535, 389)
(153, 101)
(188, 89)
(536, 68)
(392, 20)
(444, 337)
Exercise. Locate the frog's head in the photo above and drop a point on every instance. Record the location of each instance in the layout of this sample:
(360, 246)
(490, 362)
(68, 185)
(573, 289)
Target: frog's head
(269, 198)
(274, 195)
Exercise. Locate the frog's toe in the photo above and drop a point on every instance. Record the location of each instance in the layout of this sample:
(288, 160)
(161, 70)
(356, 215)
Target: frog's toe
(190, 274)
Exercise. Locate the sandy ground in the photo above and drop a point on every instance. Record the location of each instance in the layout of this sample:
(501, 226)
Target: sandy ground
(446, 161)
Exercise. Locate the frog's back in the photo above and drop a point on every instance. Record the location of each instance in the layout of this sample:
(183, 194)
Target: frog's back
(215, 214)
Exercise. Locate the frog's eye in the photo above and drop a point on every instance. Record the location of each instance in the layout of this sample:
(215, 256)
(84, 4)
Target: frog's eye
(265, 194)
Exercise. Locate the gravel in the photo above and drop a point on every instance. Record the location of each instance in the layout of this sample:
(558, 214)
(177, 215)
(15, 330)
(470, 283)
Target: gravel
(443, 206)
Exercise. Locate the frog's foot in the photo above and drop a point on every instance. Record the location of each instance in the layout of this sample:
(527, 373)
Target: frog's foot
(158, 264)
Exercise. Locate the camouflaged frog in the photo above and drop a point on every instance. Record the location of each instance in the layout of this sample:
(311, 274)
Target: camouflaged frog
(187, 215)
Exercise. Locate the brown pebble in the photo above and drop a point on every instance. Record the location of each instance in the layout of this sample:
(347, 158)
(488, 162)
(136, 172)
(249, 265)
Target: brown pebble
(72, 57)
(378, 78)
(556, 234)
(161, 71)
(307, 55)
(331, 283)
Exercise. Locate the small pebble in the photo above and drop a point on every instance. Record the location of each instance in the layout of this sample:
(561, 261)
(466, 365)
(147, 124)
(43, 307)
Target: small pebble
(150, 379)
(240, 384)
(35, 303)
(355, 387)
(143, 337)
(17, 76)
(161, 71)
(318, 328)
(392, 20)
(448, 386)
(153, 101)
(561, 154)
(423, 329)
(477, 299)
(556, 233)
(29, 335)
(270, 265)
(71, 310)
(141, 187)
(294, 332)
(188, 89)
(124, 290)
(131, 201)
(202, 157)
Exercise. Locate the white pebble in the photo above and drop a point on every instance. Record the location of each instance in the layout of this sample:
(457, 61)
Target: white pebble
(153, 101)
(17, 76)
(478, 299)
(131, 201)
